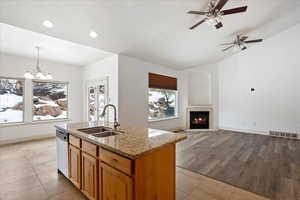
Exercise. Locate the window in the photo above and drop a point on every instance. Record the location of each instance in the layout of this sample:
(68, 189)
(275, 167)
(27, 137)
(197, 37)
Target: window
(50, 100)
(11, 100)
(163, 95)
(162, 104)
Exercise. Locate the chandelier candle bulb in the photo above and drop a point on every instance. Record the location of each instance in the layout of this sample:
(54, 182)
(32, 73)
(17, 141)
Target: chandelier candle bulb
(49, 76)
(28, 75)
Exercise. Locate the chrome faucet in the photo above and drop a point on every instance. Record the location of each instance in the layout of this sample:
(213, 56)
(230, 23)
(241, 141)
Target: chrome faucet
(116, 124)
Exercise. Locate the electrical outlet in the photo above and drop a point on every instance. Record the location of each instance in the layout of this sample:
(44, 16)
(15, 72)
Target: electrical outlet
(254, 123)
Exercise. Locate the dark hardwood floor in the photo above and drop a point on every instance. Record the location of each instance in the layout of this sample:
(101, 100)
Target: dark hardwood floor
(261, 164)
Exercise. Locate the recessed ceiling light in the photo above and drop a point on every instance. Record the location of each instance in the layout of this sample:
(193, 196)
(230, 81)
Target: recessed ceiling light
(93, 34)
(48, 24)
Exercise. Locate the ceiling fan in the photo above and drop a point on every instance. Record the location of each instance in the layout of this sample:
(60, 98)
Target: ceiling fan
(214, 13)
(240, 42)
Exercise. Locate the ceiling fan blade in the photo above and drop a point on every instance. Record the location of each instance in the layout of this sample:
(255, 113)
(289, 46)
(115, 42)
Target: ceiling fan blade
(254, 41)
(234, 10)
(243, 48)
(243, 38)
(198, 24)
(197, 12)
(227, 43)
(228, 48)
(220, 4)
(219, 25)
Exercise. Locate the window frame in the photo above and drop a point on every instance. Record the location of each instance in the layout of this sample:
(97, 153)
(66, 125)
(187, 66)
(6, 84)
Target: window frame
(32, 109)
(24, 101)
(176, 116)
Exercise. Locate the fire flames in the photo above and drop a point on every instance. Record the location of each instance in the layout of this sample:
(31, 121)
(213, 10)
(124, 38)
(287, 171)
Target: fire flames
(199, 120)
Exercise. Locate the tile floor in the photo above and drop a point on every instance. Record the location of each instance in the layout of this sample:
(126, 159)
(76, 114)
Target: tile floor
(28, 172)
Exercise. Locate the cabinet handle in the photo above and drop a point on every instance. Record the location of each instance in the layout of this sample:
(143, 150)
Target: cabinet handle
(115, 160)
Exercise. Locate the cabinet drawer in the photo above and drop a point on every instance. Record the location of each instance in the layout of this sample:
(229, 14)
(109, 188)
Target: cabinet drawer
(74, 141)
(89, 148)
(116, 161)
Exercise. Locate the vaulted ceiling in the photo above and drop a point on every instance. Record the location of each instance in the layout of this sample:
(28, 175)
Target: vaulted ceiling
(18, 41)
(156, 31)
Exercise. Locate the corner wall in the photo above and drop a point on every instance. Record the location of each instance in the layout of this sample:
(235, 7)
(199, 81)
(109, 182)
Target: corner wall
(206, 90)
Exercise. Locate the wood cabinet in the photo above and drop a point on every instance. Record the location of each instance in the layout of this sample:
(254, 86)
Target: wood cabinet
(116, 161)
(74, 166)
(74, 141)
(115, 184)
(104, 175)
(155, 175)
(89, 148)
(89, 167)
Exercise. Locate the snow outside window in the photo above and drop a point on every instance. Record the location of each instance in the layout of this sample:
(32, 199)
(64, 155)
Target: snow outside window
(162, 104)
(50, 100)
(11, 100)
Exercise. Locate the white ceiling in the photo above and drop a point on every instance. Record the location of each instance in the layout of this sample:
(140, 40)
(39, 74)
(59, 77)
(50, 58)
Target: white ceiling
(156, 30)
(22, 42)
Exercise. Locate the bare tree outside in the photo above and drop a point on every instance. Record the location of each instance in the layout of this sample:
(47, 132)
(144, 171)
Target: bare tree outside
(162, 103)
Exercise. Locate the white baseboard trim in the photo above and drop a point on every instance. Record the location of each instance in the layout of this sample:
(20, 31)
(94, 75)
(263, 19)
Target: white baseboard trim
(25, 139)
(244, 130)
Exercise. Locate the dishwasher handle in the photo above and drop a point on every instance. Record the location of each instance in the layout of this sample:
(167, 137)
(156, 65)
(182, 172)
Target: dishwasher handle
(61, 135)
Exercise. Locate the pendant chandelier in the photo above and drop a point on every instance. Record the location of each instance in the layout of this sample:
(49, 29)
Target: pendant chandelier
(38, 74)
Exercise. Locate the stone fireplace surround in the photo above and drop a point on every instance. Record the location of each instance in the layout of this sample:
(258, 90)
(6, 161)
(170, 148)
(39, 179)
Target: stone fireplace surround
(207, 108)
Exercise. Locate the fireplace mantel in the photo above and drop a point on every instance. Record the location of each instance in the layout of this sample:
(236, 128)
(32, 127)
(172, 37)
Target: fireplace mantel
(207, 108)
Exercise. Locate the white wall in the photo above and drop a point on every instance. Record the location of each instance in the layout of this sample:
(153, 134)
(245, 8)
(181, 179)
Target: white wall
(199, 88)
(107, 67)
(133, 93)
(15, 66)
(273, 69)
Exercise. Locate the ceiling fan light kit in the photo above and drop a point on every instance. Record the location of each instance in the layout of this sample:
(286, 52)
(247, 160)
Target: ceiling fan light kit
(215, 13)
(240, 43)
(39, 74)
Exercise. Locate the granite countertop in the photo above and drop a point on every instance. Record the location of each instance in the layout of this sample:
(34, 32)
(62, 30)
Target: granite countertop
(132, 143)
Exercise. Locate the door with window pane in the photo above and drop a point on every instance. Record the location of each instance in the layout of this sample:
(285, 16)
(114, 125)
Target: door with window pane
(97, 98)
(91, 104)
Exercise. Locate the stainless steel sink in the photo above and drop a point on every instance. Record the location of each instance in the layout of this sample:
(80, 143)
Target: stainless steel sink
(94, 130)
(106, 134)
(100, 131)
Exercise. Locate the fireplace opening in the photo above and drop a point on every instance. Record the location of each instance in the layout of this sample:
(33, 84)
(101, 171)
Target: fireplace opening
(199, 120)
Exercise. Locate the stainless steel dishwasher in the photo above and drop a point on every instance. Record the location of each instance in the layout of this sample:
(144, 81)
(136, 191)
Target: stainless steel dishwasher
(62, 138)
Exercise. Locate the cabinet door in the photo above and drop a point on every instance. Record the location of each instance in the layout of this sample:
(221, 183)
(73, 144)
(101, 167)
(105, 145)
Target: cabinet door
(89, 169)
(74, 166)
(115, 184)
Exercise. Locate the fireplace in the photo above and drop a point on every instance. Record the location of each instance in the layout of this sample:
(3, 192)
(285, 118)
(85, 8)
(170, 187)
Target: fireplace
(199, 117)
(199, 120)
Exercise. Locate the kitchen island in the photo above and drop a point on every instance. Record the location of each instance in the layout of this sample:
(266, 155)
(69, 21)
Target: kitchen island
(127, 163)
